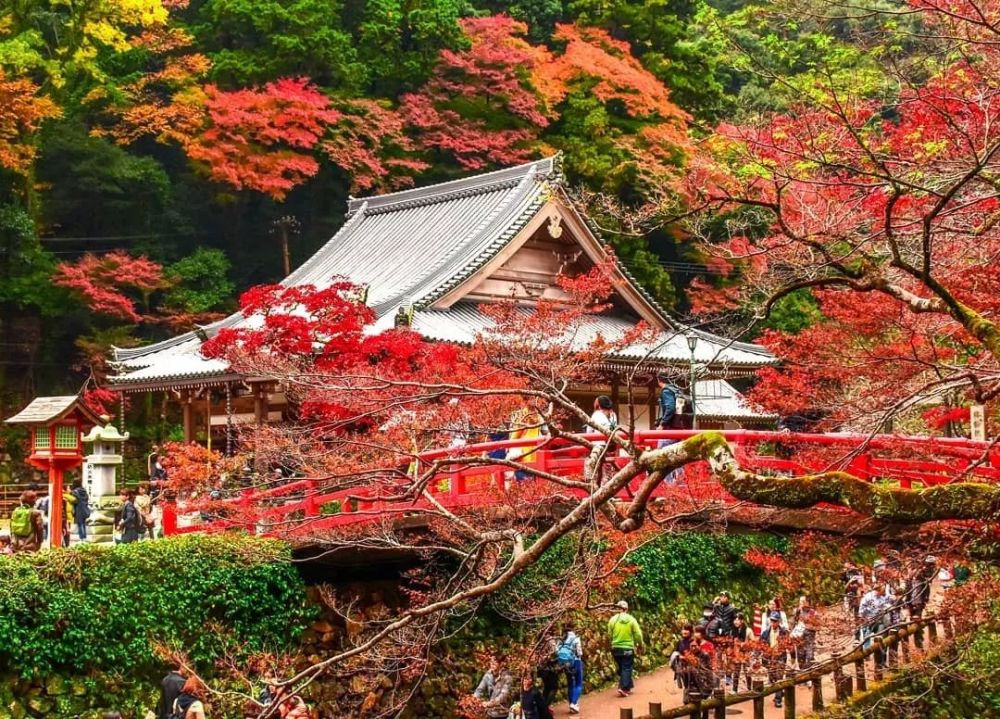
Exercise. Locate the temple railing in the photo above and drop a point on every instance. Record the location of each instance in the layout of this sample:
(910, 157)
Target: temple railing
(906, 461)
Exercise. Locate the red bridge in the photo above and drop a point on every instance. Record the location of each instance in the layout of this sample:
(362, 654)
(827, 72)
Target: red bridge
(908, 462)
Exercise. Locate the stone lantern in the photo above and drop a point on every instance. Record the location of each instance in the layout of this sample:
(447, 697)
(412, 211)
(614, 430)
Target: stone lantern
(56, 425)
(100, 470)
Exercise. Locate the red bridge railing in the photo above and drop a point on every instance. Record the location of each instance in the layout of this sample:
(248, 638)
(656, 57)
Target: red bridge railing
(307, 504)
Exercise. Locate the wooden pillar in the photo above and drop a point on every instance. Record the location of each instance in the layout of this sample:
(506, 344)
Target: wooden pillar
(187, 414)
(789, 702)
(720, 709)
(949, 631)
(893, 659)
(859, 675)
(758, 701)
(625, 713)
(653, 403)
(877, 669)
(208, 419)
(932, 635)
(56, 503)
(260, 411)
(904, 645)
(817, 698)
(695, 698)
(616, 397)
(655, 710)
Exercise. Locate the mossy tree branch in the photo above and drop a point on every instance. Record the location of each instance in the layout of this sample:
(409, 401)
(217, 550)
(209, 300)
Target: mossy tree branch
(963, 500)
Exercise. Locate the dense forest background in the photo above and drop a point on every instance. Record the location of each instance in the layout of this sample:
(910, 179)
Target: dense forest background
(158, 156)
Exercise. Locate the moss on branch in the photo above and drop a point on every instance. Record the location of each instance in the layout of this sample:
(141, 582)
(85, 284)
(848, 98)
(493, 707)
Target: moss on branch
(962, 500)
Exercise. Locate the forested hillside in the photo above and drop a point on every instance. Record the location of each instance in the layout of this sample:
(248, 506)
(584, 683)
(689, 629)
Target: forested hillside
(159, 156)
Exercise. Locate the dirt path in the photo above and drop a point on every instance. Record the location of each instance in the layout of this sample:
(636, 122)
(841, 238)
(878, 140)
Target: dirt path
(659, 685)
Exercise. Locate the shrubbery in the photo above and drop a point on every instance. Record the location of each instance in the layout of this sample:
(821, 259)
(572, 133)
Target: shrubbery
(85, 608)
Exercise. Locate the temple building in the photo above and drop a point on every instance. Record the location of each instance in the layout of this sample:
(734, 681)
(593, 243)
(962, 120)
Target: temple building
(431, 257)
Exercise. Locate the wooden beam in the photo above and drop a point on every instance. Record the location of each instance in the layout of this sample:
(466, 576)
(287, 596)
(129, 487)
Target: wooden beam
(187, 414)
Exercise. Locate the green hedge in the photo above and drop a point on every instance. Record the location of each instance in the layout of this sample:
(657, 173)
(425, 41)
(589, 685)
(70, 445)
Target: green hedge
(92, 607)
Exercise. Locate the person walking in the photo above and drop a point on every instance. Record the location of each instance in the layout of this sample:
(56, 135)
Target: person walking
(27, 529)
(144, 503)
(774, 637)
(737, 661)
(804, 633)
(130, 524)
(684, 662)
(626, 640)
(188, 704)
(570, 654)
(81, 509)
(171, 687)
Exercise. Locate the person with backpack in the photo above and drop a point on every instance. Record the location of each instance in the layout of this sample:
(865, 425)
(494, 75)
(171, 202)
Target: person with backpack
(626, 639)
(570, 658)
(130, 523)
(81, 508)
(27, 528)
(548, 668)
(290, 706)
(171, 687)
(188, 704)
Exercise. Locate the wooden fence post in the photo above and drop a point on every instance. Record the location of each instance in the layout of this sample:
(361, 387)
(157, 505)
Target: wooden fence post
(758, 701)
(904, 645)
(848, 686)
(949, 632)
(880, 651)
(932, 635)
(838, 683)
(818, 694)
(695, 698)
(893, 659)
(655, 710)
(625, 713)
(859, 675)
(789, 693)
(918, 636)
(720, 710)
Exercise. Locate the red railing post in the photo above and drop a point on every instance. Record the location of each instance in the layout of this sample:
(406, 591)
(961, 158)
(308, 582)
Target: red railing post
(169, 519)
(309, 502)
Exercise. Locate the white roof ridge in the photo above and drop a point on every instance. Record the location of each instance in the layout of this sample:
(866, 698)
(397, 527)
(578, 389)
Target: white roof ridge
(450, 189)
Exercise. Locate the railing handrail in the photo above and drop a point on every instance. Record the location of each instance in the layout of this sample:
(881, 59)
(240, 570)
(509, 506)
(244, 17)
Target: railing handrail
(561, 455)
(881, 641)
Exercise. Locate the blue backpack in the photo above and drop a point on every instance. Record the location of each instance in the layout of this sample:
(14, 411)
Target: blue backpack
(565, 654)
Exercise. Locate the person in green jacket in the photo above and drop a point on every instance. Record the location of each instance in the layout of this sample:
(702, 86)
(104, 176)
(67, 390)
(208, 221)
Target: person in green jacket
(626, 640)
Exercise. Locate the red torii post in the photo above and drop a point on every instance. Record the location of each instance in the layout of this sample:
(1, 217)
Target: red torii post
(57, 425)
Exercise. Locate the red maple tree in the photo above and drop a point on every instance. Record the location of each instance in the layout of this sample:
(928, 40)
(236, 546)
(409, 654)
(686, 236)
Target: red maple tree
(262, 139)
(22, 111)
(104, 282)
(887, 218)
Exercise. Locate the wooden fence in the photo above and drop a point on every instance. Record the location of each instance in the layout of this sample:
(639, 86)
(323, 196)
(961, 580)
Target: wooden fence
(893, 642)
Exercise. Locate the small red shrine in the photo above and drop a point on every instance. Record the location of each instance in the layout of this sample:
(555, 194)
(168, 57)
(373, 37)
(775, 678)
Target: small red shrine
(57, 425)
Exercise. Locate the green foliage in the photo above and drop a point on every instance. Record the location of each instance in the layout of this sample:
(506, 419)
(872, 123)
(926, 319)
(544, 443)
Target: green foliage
(254, 41)
(694, 563)
(794, 312)
(398, 42)
(97, 608)
(99, 189)
(201, 281)
(677, 41)
(25, 268)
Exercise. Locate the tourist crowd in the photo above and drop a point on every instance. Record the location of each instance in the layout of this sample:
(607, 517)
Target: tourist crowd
(723, 649)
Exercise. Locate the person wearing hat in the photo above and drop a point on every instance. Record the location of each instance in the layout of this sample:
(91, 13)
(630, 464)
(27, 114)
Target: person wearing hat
(775, 638)
(626, 639)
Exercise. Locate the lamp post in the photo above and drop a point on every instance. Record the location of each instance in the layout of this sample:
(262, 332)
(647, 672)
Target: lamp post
(692, 340)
